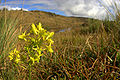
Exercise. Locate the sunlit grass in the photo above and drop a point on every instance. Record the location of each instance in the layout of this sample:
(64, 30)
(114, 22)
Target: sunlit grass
(90, 51)
(8, 34)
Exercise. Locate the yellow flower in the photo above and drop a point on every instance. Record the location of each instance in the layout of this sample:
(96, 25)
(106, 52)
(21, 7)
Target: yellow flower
(39, 51)
(22, 36)
(18, 56)
(32, 39)
(33, 60)
(50, 41)
(36, 47)
(50, 35)
(34, 29)
(17, 60)
(11, 53)
(39, 26)
(44, 35)
(50, 49)
(37, 58)
(39, 40)
(11, 57)
(15, 51)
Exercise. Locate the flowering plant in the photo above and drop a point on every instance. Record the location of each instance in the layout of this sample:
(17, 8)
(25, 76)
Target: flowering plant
(37, 41)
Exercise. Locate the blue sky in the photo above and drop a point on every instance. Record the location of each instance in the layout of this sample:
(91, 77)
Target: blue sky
(27, 4)
(77, 8)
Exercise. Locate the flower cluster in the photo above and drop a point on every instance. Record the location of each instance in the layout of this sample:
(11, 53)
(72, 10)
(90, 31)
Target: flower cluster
(37, 41)
(14, 55)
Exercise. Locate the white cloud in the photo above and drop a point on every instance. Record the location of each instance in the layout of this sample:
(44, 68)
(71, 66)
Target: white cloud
(13, 8)
(79, 8)
(17, 8)
(82, 8)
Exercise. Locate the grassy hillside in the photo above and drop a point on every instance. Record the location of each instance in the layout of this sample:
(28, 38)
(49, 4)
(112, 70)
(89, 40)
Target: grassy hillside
(49, 20)
(90, 50)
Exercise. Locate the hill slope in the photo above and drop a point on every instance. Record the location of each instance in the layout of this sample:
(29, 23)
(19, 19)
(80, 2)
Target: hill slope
(49, 20)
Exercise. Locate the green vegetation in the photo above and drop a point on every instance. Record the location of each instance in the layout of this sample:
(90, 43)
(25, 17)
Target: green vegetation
(33, 48)
(89, 51)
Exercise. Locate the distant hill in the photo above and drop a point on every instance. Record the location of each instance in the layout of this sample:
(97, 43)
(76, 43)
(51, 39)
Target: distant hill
(50, 21)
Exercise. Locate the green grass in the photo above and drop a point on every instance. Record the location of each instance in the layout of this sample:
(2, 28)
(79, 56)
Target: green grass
(8, 38)
(88, 55)
(86, 52)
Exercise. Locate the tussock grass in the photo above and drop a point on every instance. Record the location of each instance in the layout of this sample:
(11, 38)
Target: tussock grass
(89, 51)
(8, 38)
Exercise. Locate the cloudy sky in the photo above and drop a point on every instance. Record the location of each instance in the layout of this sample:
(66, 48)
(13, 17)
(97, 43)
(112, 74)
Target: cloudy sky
(78, 8)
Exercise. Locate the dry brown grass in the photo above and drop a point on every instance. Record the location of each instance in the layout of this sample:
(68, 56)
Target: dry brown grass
(50, 21)
(84, 52)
